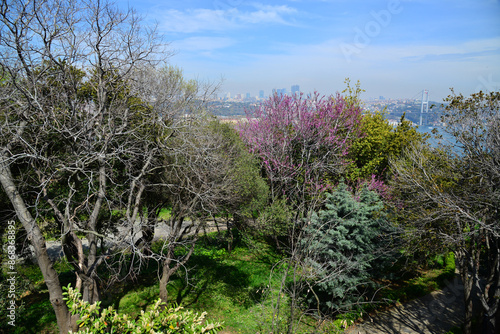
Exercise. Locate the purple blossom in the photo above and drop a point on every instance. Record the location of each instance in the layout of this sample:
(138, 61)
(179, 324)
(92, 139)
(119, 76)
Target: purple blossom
(303, 142)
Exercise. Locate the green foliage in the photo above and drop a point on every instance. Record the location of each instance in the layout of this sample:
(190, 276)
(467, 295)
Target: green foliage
(165, 214)
(276, 219)
(158, 319)
(251, 190)
(342, 322)
(379, 142)
(342, 243)
(137, 300)
(449, 263)
(353, 94)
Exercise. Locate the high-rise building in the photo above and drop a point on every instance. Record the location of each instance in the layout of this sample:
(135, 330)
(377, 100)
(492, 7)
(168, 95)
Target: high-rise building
(261, 94)
(295, 89)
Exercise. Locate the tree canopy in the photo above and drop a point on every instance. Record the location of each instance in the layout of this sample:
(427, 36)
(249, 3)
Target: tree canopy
(302, 143)
(341, 244)
(450, 196)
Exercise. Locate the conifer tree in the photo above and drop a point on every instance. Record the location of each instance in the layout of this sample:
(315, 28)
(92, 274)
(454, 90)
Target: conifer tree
(340, 246)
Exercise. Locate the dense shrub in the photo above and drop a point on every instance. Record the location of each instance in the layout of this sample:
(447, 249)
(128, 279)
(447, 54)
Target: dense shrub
(158, 319)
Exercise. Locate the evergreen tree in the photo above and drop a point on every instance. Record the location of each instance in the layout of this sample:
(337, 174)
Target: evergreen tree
(341, 245)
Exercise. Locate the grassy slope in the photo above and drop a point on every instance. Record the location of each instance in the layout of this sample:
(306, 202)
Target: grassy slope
(231, 287)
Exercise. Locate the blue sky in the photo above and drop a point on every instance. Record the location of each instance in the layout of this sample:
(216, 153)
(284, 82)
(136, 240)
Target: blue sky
(395, 48)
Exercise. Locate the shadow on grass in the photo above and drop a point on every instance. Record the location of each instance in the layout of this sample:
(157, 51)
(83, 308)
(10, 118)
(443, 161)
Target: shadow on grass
(34, 312)
(215, 278)
(219, 282)
(134, 293)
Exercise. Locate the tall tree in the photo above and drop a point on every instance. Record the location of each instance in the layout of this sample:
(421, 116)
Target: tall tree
(70, 122)
(302, 143)
(450, 196)
(340, 247)
(202, 179)
(377, 143)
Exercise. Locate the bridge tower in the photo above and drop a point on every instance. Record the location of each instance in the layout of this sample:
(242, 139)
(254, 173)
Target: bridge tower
(425, 103)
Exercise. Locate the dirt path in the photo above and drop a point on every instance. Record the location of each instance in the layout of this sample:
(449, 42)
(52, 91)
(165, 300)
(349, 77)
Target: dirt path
(162, 231)
(435, 313)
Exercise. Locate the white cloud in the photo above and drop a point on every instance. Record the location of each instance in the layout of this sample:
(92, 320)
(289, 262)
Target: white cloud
(202, 43)
(395, 71)
(195, 20)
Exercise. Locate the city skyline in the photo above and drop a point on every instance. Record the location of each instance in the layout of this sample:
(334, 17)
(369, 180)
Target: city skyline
(395, 48)
(261, 93)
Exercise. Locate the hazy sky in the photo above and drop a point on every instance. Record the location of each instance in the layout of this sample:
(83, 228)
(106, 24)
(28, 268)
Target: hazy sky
(395, 48)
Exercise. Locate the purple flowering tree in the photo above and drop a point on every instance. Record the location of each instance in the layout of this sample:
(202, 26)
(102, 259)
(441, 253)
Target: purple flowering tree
(302, 143)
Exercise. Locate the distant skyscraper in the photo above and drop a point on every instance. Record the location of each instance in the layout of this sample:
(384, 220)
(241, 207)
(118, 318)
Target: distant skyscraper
(248, 95)
(261, 94)
(295, 89)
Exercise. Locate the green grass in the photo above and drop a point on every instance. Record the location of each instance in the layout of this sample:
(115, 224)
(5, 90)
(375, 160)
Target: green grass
(164, 214)
(34, 313)
(231, 287)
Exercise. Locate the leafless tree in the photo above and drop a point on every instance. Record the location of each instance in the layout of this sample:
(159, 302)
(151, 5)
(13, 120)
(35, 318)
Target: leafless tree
(450, 196)
(77, 140)
(98, 135)
(202, 179)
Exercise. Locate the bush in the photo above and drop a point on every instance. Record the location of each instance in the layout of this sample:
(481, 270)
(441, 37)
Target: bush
(158, 319)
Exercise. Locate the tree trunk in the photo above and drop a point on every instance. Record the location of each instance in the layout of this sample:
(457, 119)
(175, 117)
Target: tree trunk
(90, 290)
(491, 296)
(230, 239)
(167, 270)
(490, 324)
(38, 242)
(468, 312)
(165, 278)
(147, 235)
(467, 281)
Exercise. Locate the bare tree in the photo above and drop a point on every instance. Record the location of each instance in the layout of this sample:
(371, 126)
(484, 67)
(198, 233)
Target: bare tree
(75, 137)
(451, 197)
(201, 180)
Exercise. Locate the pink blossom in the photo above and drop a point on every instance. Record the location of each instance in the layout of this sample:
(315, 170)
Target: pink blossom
(304, 139)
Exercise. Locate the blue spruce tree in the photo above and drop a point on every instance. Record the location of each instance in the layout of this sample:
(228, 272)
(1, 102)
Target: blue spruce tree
(341, 246)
